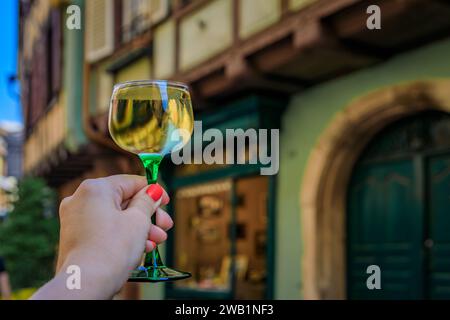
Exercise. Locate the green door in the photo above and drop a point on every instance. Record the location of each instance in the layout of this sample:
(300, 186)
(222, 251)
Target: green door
(399, 212)
(385, 230)
(439, 227)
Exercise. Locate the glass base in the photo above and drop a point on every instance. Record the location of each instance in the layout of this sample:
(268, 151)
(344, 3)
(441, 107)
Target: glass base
(157, 274)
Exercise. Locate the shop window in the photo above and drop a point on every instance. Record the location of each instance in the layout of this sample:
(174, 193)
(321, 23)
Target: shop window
(202, 242)
(251, 237)
(221, 237)
(223, 233)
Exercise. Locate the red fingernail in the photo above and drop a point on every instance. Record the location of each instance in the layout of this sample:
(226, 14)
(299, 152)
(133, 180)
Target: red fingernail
(150, 246)
(155, 192)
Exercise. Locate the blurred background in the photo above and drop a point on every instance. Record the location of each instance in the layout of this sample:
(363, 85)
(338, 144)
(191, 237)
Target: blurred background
(364, 147)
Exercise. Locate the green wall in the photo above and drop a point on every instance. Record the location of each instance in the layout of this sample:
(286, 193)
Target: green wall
(306, 117)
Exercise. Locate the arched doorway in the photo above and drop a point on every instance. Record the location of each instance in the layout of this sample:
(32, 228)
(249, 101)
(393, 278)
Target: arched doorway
(398, 214)
(323, 198)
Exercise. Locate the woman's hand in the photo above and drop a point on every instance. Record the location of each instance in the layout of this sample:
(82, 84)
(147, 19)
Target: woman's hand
(105, 228)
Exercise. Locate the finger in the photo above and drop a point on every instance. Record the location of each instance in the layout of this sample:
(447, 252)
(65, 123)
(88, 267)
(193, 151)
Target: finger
(149, 246)
(124, 204)
(163, 220)
(165, 198)
(125, 186)
(156, 234)
(144, 203)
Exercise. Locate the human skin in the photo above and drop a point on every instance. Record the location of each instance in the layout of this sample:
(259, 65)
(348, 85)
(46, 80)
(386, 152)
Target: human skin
(105, 228)
(5, 288)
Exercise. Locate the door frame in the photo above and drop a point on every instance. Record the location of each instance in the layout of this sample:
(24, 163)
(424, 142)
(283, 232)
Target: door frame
(323, 195)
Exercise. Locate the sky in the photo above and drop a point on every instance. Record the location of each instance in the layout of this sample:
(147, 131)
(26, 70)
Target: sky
(10, 110)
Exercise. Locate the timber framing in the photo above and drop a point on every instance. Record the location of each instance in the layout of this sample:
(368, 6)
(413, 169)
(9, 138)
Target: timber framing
(323, 40)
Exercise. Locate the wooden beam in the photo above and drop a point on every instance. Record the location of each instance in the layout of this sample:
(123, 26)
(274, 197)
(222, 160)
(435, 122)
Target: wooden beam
(405, 24)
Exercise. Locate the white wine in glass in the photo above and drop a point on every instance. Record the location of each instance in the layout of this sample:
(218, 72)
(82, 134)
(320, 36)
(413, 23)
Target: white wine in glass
(151, 118)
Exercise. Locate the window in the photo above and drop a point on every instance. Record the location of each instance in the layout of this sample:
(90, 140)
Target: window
(178, 4)
(135, 18)
(54, 54)
(42, 81)
(139, 15)
(202, 239)
(211, 226)
(99, 29)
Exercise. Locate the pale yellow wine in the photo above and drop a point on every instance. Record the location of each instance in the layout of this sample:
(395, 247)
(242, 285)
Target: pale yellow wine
(152, 118)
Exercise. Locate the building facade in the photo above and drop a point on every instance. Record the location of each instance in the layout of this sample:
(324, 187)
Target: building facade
(363, 116)
(10, 167)
(3, 170)
(14, 143)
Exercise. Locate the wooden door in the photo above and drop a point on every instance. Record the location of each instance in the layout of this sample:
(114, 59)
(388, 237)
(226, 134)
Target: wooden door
(399, 212)
(438, 240)
(385, 229)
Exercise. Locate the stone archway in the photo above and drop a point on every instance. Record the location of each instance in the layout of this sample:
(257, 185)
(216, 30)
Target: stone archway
(324, 186)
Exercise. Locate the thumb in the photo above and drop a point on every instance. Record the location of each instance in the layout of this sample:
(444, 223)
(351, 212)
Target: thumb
(147, 200)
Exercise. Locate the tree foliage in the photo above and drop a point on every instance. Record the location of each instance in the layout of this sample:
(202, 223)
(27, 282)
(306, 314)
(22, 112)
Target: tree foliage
(29, 235)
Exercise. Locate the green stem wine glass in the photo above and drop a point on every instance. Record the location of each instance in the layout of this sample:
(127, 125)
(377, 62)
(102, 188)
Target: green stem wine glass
(151, 118)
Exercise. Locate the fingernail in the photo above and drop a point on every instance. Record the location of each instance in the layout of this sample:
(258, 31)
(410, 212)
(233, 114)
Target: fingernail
(155, 192)
(150, 246)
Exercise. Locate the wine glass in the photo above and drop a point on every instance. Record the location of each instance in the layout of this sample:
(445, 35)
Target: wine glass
(151, 118)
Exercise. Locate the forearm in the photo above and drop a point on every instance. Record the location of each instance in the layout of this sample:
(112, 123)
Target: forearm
(90, 279)
(4, 285)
